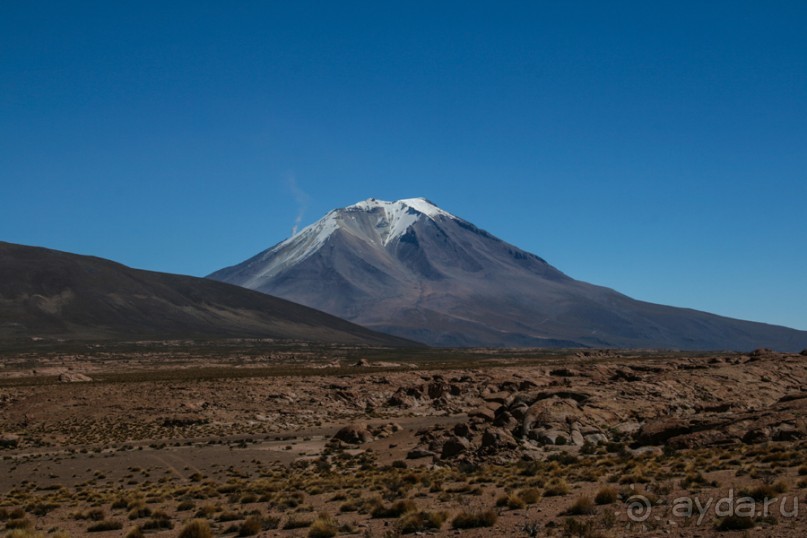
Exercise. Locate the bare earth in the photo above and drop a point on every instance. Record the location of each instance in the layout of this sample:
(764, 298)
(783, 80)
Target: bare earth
(270, 440)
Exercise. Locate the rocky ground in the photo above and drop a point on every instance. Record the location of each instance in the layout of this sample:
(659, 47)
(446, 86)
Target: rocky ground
(245, 440)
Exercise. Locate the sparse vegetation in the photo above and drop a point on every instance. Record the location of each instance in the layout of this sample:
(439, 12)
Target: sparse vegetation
(511, 501)
(236, 493)
(106, 525)
(583, 506)
(472, 520)
(414, 522)
(557, 488)
(394, 510)
(323, 527)
(198, 528)
(606, 495)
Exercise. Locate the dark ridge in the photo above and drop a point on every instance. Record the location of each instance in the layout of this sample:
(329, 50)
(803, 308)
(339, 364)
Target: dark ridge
(51, 294)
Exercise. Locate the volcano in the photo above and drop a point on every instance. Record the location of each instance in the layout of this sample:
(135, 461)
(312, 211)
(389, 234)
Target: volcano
(411, 269)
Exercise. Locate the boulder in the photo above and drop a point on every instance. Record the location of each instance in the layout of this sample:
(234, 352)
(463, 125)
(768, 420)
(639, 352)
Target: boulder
(757, 435)
(484, 413)
(9, 440)
(384, 431)
(596, 438)
(506, 420)
(455, 446)
(549, 437)
(462, 430)
(500, 398)
(401, 399)
(658, 431)
(438, 390)
(702, 439)
(73, 377)
(647, 451)
(788, 432)
(625, 375)
(526, 385)
(519, 411)
(495, 439)
(354, 434)
(628, 428)
(552, 414)
(417, 453)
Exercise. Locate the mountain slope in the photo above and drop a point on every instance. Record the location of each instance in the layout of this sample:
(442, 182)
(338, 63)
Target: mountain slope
(48, 293)
(414, 270)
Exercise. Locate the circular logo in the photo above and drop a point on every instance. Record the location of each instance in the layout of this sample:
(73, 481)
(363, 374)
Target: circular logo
(639, 508)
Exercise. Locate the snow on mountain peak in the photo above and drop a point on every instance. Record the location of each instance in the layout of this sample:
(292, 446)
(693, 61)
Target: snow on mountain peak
(396, 217)
(426, 207)
(393, 220)
(421, 205)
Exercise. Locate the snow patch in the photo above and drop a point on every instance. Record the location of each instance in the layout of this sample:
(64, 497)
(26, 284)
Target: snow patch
(426, 207)
(396, 217)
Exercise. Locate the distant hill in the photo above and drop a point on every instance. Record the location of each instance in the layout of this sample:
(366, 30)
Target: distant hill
(412, 269)
(52, 294)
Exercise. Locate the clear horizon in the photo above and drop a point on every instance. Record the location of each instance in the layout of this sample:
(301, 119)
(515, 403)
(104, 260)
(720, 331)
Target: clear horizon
(655, 149)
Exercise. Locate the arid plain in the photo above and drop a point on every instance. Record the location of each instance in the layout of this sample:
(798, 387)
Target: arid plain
(243, 438)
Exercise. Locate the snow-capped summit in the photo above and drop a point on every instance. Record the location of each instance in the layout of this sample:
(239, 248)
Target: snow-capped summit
(421, 205)
(393, 219)
(376, 222)
(412, 269)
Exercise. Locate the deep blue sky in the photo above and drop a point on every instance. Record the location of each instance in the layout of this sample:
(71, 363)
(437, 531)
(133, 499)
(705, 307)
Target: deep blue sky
(659, 148)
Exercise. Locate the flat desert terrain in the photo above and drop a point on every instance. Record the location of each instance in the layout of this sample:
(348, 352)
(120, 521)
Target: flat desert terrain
(253, 438)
